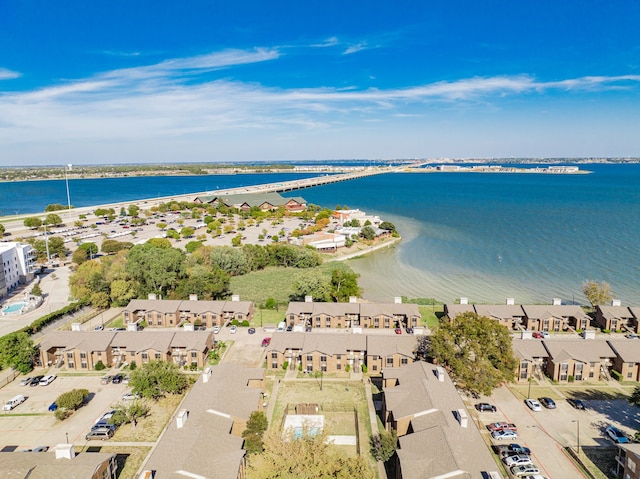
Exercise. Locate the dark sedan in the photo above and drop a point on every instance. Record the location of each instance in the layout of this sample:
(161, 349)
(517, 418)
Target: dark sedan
(577, 404)
(547, 402)
(35, 381)
(117, 379)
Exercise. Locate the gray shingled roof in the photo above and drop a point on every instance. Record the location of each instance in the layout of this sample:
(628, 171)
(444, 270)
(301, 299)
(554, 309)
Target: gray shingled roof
(383, 345)
(363, 309)
(529, 349)
(454, 310)
(584, 350)
(162, 305)
(499, 311)
(194, 307)
(627, 349)
(615, 312)
(87, 341)
(44, 465)
(537, 311)
(181, 449)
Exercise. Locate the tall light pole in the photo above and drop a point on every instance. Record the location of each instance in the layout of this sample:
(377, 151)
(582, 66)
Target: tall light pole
(66, 180)
(578, 434)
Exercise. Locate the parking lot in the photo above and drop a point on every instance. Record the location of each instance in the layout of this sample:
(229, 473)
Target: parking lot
(548, 431)
(31, 424)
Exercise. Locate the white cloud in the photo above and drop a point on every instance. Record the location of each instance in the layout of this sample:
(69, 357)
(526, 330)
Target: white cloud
(355, 48)
(6, 74)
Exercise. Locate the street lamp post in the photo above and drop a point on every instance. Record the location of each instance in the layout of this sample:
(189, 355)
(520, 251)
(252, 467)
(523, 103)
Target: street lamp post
(529, 391)
(578, 435)
(66, 180)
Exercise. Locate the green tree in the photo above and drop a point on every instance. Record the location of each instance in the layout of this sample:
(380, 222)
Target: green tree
(157, 378)
(52, 219)
(121, 292)
(309, 457)
(2, 230)
(384, 445)
(387, 225)
(17, 351)
(133, 210)
(191, 246)
(32, 222)
(79, 256)
(476, 350)
(597, 294)
(73, 399)
(257, 424)
(236, 241)
(129, 413)
(104, 212)
(55, 207)
(161, 225)
(110, 246)
(344, 284)
(311, 284)
(187, 231)
(100, 300)
(368, 233)
(157, 270)
(207, 284)
(229, 259)
(36, 290)
(159, 242)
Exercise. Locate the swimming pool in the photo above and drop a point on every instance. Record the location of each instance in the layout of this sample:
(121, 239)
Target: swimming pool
(14, 308)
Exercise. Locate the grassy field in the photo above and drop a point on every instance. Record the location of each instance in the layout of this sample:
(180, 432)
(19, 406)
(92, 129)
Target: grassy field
(276, 283)
(149, 428)
(430, 316)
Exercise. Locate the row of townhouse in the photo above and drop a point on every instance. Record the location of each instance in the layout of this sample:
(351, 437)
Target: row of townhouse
(84, 349)
(553, 317)
(205, 437)
(616, 317)
(334, 352)
(578, 360)
(352, 314)
(172, 313)
(436, 438)
(264, 201)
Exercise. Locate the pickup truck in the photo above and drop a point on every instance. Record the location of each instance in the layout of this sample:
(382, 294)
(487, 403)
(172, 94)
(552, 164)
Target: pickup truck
(501, 426)
(512, 449)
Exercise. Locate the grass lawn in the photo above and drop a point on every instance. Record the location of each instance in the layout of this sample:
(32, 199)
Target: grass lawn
(595, 392)
(149, 428)
(129, 458)
(276, 283)
(429, 316)
(536, 391)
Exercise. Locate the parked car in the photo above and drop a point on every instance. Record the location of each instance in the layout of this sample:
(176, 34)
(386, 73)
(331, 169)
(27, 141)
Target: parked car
(577, 404)
(266, 342)
(103, 424)
(504, 434)
(45, 381)
(117, 379)
(499, 426)
(130, 396)
(216, 329)
(251, 330)
(409, 330)
(13, 402)
(125, 380)
(289, 329)
(547, 402)
(512, 449)
(106, 379)
(533, 404)
(25, 381)
(233, 329)
(484, 406)
(40, 449)
(101, 433)
(524, 470)
(537, 335)
(632, 336)
(99, 328)
(616, 435)
(307, 329)
(398, 331)
(35, 381)
(517, 460)
(53, 406)
(534, 476)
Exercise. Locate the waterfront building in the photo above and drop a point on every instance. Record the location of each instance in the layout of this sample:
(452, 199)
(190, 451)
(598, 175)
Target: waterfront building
(616, 317)
(18, 266)
(82, 350)
(266, 201)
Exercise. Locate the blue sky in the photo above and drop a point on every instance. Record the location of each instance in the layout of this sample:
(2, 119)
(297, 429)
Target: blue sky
(156, 81)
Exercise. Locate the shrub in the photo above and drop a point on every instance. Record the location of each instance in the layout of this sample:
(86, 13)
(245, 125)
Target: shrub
(133, 366)
(235, 323)
(245, 323)
(62, 414)
(570, 378)
(100, 366)
(616, 375)
(300, 367)
(72, 399)
(364, 368)
(285, 365)
(347, 368)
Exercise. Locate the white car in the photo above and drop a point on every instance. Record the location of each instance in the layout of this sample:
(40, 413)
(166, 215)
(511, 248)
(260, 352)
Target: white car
(233, 329)
(504, 434)
(517, 460)
(130, 397)
(525, 470)
(216, 329)
(533, 404)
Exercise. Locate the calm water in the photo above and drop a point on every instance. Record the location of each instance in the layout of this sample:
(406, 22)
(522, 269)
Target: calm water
(482, 236)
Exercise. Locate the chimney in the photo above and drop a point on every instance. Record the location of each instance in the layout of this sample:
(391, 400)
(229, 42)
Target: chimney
(235, 297)
(353, 299)
(189, 327)
(76, 327)
(526, 334)
(65, 451)
(206, 374)
(181, 418)
(152, 296)
(589, 334)
(556, 302)
(308, 299)
(464, 300)
(397, 300)
(461, 414)
(193, 297)
(511, 301)
(616, 302)
(440, 372)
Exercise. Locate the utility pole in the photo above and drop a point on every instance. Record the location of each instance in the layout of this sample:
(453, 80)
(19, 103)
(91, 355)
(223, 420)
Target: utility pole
(46, 242)
(66, 180)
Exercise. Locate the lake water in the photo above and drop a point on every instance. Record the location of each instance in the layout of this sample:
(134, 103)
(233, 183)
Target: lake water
(484, 236)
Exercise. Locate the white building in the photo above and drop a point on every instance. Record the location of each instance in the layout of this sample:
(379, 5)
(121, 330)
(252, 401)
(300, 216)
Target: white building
(18, 265)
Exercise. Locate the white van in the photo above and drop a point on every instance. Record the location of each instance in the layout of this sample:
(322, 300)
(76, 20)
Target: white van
(13, 402)
(45, 381)
(282, 326)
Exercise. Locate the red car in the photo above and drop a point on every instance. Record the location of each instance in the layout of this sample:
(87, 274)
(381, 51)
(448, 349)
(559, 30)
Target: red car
(537, 335)
(398, 331)
(266, 342)
(501, 426)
